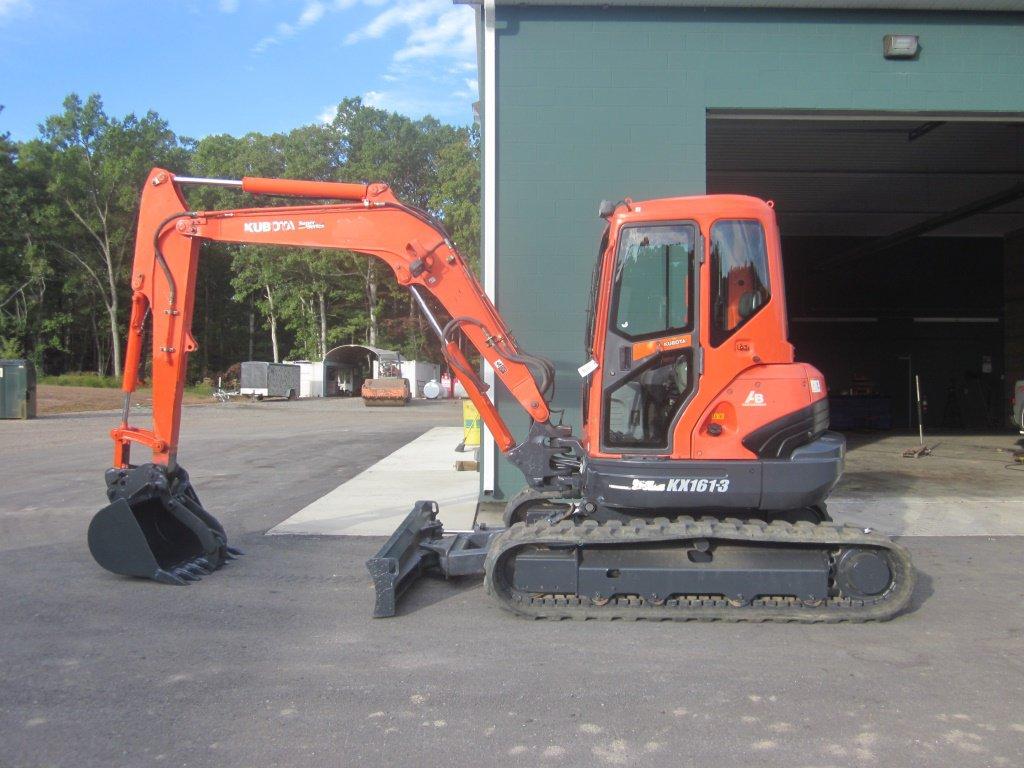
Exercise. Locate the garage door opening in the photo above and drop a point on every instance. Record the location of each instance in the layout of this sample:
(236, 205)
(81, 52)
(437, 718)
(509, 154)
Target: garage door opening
(901, 239)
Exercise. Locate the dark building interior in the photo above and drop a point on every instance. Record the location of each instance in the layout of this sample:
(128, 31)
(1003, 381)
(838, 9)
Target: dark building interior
(901, 240)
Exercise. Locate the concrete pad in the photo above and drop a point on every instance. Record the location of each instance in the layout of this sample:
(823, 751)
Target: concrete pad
(374, 502)
(968, 486)
(942, 516)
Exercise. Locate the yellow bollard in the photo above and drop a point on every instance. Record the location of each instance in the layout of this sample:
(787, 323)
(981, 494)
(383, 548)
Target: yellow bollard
(471, 424)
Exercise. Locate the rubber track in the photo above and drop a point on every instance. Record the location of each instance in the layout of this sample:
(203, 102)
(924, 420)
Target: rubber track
(827, 536)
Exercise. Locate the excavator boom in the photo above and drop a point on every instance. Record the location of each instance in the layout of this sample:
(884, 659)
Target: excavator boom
(153, 505)
(371, 221)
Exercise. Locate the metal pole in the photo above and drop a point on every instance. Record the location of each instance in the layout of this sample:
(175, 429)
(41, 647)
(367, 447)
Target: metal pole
(415, 291)
(920, 421)
(210, 182)
(910, 391)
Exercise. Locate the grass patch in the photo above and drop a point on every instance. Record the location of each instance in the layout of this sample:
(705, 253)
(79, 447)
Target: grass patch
(81, 380)
(109, 382)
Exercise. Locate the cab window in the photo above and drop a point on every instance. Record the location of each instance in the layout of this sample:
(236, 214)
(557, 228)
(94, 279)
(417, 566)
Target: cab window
(641, 409)
(739, 275)
(653, 288)
(652, 281)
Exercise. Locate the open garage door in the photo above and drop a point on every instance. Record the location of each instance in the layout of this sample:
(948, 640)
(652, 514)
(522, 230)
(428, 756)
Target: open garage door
(901, 235)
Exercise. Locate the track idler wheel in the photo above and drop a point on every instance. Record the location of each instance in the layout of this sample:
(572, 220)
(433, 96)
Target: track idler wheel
(155, 527)
(863, 573)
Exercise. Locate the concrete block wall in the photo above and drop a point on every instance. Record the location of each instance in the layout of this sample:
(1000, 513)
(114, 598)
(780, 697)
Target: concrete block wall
(606, 103)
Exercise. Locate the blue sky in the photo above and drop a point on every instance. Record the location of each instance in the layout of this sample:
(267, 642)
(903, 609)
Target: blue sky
(233, 66)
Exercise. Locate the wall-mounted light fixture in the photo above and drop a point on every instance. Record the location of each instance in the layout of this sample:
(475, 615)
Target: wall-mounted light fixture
(900, 46)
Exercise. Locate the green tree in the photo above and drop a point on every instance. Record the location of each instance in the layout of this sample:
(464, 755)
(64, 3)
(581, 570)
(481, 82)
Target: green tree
(428, 164)
(25, 325)
(70, 200)
(95, 166)
(455, 192)
(257, 271)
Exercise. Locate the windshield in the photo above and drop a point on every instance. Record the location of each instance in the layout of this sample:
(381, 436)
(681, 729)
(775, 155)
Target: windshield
(653, 280)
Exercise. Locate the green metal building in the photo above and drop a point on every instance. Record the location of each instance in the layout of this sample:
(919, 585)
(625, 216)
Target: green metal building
(889, 134)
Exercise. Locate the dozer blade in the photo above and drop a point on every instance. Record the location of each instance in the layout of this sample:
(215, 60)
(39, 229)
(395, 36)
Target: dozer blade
(420, 545)
(155, 527)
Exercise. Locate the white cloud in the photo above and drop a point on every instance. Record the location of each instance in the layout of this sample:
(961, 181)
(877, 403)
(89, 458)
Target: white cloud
(228, 6)
(407, 13)
(431, 71)
(265, 43)
(13, 7)
(432, 66)
(327, 114)
(400, 101)
(312, 13)
(451, 34)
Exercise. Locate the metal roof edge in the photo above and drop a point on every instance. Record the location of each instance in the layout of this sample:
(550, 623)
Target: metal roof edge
(1012, 6)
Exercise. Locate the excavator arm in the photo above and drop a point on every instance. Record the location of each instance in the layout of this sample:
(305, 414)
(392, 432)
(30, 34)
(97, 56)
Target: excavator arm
(369, 221)
(155, 525)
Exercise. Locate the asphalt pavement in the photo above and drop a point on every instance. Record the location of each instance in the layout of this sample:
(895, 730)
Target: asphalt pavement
(275, 661)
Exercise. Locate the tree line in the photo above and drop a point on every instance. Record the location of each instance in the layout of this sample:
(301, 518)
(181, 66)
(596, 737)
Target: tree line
(70, 199)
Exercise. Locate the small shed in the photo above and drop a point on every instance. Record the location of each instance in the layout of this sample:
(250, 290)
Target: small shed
(346, 367)
(349, 365)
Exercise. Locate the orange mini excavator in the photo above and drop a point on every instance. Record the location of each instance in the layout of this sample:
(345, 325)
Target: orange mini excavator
(695, 489)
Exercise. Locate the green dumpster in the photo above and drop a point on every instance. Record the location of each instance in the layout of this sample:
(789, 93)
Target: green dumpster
(17, 389)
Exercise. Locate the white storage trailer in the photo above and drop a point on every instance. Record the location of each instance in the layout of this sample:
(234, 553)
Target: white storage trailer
(325, 378)
(260, 379)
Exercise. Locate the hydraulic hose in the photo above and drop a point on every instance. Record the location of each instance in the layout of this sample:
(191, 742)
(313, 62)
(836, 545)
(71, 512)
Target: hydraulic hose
(446, 332)
(545, 367)
(172, 289)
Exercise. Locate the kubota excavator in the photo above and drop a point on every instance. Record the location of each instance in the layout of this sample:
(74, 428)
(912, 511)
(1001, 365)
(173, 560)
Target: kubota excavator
(695, 490)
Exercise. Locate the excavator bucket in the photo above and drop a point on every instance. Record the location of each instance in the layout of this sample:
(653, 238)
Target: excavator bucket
(156, 527)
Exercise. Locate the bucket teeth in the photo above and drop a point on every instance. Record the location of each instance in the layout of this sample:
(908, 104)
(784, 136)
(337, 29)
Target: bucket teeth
(233, 552)
(166, 577)
(184, 573)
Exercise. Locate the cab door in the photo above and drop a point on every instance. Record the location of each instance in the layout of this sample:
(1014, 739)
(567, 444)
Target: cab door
(651, 351)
